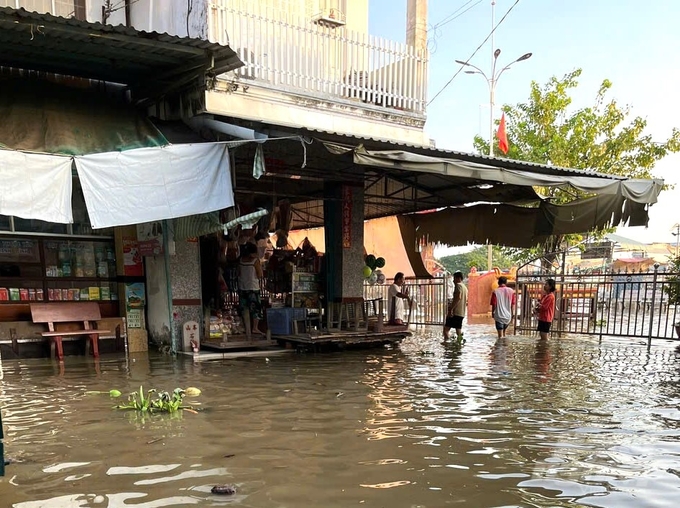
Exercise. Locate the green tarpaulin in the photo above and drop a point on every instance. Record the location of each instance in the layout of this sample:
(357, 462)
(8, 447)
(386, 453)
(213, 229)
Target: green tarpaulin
(47, 117)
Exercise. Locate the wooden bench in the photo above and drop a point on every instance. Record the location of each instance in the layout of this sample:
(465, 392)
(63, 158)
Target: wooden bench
(64, 320)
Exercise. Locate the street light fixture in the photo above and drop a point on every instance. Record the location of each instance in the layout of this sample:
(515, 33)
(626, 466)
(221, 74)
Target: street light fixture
(491, 82)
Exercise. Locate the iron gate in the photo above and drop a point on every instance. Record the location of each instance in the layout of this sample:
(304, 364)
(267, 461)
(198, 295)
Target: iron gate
(430, 297)
(615, 303)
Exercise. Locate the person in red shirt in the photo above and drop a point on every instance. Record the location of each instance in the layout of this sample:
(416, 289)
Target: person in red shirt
(546, 309)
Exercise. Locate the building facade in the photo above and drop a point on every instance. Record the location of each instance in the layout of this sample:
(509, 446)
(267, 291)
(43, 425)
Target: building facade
(308, 63)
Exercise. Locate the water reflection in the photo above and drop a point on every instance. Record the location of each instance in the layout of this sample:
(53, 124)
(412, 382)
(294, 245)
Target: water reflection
(510, 422)
(542, 360)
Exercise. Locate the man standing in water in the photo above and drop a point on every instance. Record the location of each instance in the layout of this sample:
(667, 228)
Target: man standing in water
(456, 311)
(502, 305)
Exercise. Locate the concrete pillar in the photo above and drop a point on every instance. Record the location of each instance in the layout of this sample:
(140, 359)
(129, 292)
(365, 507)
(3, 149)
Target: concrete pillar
(185, 276)
(344, 234)
(416, 24)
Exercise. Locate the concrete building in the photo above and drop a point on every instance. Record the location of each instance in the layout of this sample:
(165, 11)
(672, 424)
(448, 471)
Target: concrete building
(308, 63)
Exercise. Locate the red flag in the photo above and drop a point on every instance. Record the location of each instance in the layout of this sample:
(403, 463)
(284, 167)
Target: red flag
(502, 136)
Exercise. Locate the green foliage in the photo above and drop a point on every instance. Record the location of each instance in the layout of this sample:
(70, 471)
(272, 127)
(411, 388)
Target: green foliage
(155, 402)
(477, 258)
(672, 285)
(602, 137)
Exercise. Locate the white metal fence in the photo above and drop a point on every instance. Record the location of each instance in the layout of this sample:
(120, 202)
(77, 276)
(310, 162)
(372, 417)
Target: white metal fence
(64, 8)
(320, 60)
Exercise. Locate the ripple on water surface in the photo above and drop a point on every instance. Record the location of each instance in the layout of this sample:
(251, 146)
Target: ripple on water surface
(498, 424)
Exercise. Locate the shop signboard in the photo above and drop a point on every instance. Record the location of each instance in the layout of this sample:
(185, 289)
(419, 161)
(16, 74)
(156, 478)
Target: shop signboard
(346, 217)
(597, 250)
(150, 238)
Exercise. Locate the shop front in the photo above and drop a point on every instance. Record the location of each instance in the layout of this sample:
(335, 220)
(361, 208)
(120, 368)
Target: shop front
(290, 291)
(43, 262)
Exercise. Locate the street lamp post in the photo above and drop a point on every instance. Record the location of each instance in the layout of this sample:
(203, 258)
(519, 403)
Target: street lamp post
(491, 82)
(676, 234)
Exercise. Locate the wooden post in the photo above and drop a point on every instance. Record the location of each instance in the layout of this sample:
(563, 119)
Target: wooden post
(381, 316)
(246, 323)
(2, 449)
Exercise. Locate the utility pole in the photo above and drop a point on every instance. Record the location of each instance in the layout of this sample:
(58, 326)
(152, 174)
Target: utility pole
(491, 81)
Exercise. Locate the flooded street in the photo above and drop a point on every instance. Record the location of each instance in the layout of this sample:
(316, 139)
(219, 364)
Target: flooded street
(573, 423)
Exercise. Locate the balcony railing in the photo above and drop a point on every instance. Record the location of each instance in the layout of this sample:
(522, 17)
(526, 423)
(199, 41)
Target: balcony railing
(64, 8)
(315, 59)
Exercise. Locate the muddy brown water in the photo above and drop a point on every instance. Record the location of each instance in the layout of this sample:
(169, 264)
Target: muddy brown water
(501, 424)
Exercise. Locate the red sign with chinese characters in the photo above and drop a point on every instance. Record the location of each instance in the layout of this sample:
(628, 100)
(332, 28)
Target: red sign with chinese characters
(346, 217)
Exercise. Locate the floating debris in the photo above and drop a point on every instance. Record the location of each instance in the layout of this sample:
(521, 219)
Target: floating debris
(223, 490)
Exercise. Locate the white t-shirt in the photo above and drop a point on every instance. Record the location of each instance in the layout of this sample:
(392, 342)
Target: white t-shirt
(395, 305)
(503, 297)
(247, 276)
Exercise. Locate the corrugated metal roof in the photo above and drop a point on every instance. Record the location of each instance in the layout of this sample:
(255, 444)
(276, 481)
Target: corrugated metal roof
(120, 54)
(373, 143)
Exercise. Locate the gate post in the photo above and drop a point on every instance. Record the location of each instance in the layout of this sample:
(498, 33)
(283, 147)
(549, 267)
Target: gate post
(651, 309)
(2, 450)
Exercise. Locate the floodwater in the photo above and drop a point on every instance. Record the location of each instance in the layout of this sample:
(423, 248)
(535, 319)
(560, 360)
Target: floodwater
(513, 424)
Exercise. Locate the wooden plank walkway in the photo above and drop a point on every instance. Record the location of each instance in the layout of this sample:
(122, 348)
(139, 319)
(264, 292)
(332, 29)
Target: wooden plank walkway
(344, 338)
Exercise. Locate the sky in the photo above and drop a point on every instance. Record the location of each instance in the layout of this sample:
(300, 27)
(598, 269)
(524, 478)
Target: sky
(633, 43)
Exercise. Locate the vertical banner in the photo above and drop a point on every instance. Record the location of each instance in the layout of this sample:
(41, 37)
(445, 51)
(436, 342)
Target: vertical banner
(346, 217)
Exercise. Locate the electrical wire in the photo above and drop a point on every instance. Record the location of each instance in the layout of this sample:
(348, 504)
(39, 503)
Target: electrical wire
(473, 53)
(452, 17)
(432, 41)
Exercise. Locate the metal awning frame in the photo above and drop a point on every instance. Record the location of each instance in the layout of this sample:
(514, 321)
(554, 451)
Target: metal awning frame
(150, 64)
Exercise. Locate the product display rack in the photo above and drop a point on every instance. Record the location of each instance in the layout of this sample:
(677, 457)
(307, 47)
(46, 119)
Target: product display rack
(45, 269)
(304, 289)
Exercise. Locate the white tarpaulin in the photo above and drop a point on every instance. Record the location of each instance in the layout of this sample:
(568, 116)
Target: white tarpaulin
(36, 186)
(150, 184)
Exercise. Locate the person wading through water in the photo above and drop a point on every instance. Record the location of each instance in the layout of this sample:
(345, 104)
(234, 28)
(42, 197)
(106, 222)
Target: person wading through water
(456, 311)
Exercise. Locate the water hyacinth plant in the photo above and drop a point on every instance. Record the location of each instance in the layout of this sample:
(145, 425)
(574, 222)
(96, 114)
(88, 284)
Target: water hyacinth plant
(111, 393)
(154, 401)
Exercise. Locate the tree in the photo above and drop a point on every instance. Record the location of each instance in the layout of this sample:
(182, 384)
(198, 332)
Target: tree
(477, 258)
(602, 137)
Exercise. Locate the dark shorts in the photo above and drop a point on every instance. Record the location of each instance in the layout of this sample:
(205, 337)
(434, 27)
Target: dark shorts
(251, 300)
(454, 322)
(502, 326)
(543, 326)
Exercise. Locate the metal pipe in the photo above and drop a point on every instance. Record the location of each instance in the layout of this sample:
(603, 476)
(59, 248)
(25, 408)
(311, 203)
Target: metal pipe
(236, 131)
(168, 282)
